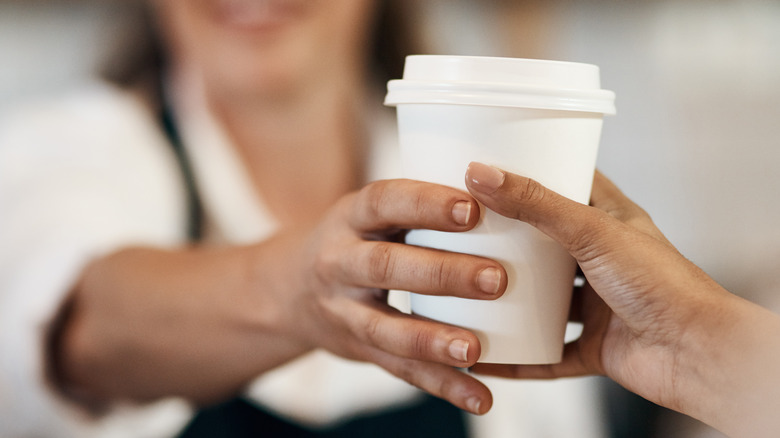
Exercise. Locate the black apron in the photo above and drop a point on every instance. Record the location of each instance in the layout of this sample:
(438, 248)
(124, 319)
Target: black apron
(239, 418)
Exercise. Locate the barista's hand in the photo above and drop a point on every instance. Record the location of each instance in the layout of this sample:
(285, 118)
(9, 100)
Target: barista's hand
(652, 320)
(354, 256)
(139, 318)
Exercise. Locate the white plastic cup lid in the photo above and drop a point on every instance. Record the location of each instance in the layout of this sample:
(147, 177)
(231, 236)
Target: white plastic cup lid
(495, 81)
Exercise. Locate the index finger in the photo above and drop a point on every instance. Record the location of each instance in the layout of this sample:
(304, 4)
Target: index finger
(409, 204)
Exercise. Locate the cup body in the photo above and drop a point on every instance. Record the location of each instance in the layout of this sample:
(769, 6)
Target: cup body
(555, 145)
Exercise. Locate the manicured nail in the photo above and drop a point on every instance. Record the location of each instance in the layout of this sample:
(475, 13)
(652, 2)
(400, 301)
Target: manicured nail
(489, 280)
(473, 404)
(484, 178)
(461, 212)
(459, 350)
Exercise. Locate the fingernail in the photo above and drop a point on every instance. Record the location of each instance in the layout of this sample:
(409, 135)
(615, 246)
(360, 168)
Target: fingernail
(489, 280)
(483, 178)
(473, 403)
(461, 212)
(459, 350)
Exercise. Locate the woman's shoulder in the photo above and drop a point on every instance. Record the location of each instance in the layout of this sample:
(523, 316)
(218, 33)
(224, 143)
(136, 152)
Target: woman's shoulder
(97, 125)
(98, 148)
(93, 109)
(97, 133)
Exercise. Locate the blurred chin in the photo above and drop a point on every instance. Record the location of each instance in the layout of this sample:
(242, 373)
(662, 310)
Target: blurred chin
(260, 76)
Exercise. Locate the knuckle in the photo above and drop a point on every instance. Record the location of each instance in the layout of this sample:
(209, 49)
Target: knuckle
(381, 263)
(628, 212)
(641, 214)
(584, 243)
(418, 375)
(421, 203)
(420, 344)
(371, 330)
(531, 191)
(372, 199)
(438, 274)
(445, 388)
(637, 218)
(407, 372)
(326, 266)
(353, 348)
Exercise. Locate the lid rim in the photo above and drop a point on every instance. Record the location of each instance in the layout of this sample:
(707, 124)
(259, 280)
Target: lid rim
(510, 59)
(500, 94)
(501, 69)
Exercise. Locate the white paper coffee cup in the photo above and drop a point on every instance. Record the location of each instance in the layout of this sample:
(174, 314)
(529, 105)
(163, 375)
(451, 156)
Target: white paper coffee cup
(540, 119)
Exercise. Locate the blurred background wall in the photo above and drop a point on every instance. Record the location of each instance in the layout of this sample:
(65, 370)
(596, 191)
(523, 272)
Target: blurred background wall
(696, 140)
(46, 46)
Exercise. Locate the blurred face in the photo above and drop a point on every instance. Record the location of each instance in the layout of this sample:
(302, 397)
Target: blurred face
(266, 47)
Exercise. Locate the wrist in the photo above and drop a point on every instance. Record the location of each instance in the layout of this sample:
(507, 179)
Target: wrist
(728, 368)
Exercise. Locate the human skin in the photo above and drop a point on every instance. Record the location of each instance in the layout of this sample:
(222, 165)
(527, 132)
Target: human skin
(652, 320)
(288, 84)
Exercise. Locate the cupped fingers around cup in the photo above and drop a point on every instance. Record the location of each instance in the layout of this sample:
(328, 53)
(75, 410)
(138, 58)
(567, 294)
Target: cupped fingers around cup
(389, 265)
(393, 332)
(409, 204)
(451, 384)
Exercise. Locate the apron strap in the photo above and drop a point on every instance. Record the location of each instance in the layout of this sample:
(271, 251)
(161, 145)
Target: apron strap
(194, 206)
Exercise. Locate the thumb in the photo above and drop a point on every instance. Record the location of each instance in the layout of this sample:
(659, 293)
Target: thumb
(570, 223)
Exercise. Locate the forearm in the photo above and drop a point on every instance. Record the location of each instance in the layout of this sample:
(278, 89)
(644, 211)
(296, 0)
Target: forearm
(198, 323)
(732, 379)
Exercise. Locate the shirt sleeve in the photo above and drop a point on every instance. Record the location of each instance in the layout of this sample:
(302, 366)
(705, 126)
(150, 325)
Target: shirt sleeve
(79, 178)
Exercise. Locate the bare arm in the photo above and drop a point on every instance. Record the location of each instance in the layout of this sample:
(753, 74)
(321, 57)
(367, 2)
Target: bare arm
(146, 323)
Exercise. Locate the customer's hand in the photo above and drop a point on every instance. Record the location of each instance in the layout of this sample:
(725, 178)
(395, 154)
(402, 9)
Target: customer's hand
(652, 320)
(354, 256)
